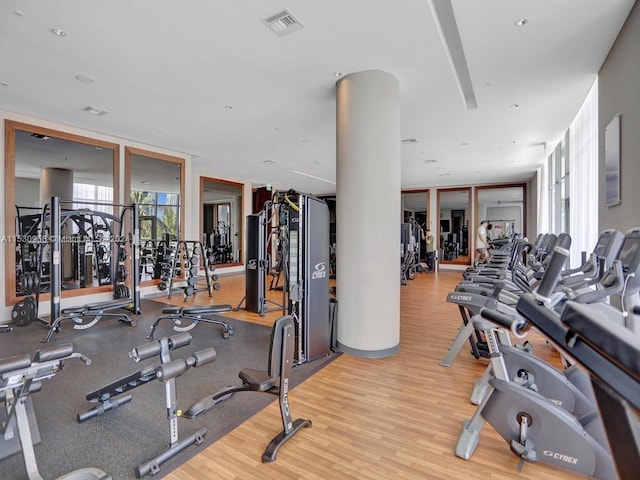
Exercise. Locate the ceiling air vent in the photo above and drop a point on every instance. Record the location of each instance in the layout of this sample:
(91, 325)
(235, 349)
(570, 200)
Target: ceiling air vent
(283, 23)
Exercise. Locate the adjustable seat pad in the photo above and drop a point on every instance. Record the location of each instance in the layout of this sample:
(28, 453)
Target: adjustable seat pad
(98, 306)
(200, 310)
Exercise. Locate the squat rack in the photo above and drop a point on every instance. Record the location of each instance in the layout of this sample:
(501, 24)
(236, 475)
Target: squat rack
(51, 213)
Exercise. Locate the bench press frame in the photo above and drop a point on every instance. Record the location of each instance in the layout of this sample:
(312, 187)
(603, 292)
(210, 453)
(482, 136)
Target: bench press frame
(196, 314)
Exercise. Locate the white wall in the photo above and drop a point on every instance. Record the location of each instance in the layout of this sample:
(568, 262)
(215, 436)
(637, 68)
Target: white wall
(619, 93)
(505, 213)
(27, 192)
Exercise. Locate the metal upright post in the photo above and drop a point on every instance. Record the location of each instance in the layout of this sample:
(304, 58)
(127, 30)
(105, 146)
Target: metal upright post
(55, 258)
(135, 257)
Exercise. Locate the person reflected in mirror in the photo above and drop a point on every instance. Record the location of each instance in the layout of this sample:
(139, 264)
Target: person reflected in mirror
(429, 249)
(482, 243)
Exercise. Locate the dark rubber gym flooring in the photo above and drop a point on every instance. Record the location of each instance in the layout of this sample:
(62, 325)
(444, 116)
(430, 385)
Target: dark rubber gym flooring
(119, 440)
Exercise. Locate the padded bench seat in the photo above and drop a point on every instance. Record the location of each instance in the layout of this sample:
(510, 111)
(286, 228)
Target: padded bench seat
(98, 306)
(202, 310)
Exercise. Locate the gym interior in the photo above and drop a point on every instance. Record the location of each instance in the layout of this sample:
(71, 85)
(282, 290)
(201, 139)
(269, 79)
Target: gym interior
(176, 241)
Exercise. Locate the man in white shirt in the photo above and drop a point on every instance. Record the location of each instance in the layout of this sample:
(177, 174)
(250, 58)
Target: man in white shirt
(482, 243)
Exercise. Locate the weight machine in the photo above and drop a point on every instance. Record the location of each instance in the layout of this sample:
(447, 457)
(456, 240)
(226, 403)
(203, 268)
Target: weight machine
(300, 223)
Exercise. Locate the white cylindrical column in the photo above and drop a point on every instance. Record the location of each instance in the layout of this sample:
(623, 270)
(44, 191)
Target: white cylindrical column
(368, 213)
(55, 182)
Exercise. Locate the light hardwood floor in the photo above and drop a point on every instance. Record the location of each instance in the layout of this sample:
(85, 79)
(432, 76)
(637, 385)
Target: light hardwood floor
(392, 418)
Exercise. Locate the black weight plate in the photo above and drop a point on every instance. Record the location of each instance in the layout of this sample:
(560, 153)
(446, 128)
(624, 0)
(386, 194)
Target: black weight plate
(195, 260)
(36, 282)
(216, 286)
(193, 271)
(30, 276)
(24, 312)
(23, 283)
(212, 267)
(122, 254)
(188, 291)
(162, 286)
(192, 281)
(214, 277)
(121, 273)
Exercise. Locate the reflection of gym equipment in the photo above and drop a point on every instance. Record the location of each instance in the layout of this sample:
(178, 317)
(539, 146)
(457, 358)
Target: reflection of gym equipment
(185, 319)
(274, 381)
(51, 216)
(21, 376)
(166, 371)
(303, 231)
(218, 244)
(410, 250)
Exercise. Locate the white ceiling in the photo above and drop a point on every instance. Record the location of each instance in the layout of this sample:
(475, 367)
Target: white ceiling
(165, 71)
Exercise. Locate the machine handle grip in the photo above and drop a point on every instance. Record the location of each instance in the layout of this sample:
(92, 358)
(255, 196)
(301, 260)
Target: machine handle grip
(517, 325)
(552, 272)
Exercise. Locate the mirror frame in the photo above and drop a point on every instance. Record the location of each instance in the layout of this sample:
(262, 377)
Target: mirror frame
(470, 240)
(10, 128)
(128, 157)
(203, 180)
(497, 186)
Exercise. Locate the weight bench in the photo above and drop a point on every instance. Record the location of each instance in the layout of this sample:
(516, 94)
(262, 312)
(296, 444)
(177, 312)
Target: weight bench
(166, 371)
(275, 381)
(194, 315)
(92, 311)
(21, 376)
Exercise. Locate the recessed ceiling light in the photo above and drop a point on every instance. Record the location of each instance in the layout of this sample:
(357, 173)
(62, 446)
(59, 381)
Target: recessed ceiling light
(19, 13)
(98, 112)
(4, 84)
(337, 74)
(269, 162)
(83, 79)
(316, 163)
(514, 105)
(98, 148)
(228, 107)
(521, 22)
(465, 144)
(59, 32)
(305, 141)
(431, 160)
(409, 140)
(512, 142)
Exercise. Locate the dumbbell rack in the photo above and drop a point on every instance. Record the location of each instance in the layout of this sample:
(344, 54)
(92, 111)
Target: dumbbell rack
(188, 253)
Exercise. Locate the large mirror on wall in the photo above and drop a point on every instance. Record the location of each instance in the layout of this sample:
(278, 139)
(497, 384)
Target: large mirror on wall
(454, 216)
(504, 207)
(156, 183)
(415, 210)
(221, 220)
(40, 163)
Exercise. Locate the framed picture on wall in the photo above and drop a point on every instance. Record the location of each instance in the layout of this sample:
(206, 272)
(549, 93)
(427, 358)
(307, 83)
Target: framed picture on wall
(612, 162)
